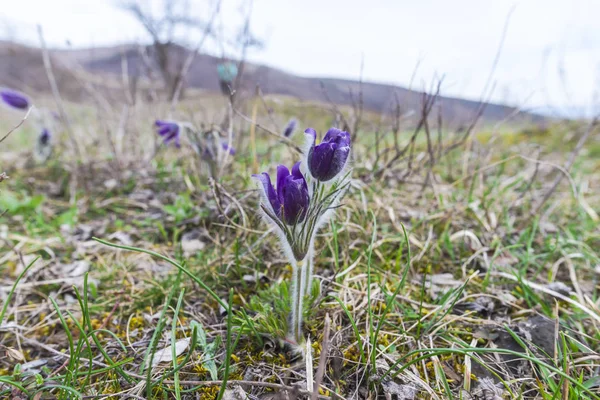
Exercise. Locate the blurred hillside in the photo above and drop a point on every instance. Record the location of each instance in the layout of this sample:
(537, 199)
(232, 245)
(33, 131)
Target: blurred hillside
(77, 71)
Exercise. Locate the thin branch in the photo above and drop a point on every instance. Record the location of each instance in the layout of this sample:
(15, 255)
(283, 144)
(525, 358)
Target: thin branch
(188, 62)
(568, 164)
(16, 126)
(56, 93)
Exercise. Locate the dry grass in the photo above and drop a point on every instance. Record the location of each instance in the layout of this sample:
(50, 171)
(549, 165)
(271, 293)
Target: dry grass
(483, 297)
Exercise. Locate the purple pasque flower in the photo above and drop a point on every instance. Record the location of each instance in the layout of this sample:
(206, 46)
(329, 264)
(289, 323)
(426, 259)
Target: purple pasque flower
(44, 138)
(327, 159)
(169, 131)
(291, 199)
(14, 99)
(290, 128)
(227, 148)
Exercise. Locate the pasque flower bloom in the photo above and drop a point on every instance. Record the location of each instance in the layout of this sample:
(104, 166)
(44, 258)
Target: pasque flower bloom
(14, 99)
(169, 131)
(291, 200)
(327, 159)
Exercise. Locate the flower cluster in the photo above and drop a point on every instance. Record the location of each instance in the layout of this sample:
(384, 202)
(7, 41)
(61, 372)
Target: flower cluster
(301, 203)
(208, 145)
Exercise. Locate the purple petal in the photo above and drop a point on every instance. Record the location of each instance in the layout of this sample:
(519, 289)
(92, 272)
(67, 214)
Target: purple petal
(282, 173)
(297, 174)
(340, 156)
(295, 200)
(332, 134)
(296, 171)
(269, 191)
(320, 160)
(164, 130)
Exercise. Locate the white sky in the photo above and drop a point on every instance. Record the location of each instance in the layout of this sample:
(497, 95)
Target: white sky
(550, 58)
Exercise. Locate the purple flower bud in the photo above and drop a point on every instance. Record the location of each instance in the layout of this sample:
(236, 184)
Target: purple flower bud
(169, 131)
(290, 128)
(327, 159)
(291, 200)
(14, 99)
(44, 138)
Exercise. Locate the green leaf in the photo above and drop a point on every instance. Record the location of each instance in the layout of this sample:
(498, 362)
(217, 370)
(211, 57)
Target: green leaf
(200, 334)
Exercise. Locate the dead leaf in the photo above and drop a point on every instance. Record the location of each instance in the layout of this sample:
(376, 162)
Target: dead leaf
(122, 237)
(166, 354)
(401, 392)
(191, 243)
(15, 354)
(111, 184)
(78, 268)
(237, 393)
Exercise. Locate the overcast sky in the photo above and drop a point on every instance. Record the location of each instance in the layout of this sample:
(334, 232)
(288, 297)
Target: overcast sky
(550, 58)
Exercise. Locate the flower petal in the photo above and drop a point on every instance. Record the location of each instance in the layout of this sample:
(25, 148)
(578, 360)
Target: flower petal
(282, 173)
(269, 193)
(332, 134)
(320, 161)
(312, 133)
(295, 200)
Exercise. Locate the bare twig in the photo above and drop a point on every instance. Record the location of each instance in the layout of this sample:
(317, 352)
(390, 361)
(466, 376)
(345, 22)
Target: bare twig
(16, 126)
(283, 139)
(56, 93)
(572, 157)
(188, 62)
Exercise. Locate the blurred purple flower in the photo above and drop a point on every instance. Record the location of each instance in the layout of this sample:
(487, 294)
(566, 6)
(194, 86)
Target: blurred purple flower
(228, 149)
(14, 99)
(169, 131)
(290, 128)
(327, 159)
(44, 137)
(291, 199)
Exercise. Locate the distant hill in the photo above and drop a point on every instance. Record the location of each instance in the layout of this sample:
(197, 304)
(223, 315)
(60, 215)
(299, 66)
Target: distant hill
(22, 67)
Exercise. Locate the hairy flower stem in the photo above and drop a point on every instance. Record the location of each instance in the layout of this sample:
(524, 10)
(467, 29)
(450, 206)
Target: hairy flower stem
(298, 281)
(309, 268)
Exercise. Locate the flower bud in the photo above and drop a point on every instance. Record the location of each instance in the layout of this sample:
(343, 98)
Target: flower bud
(14, 99)
(327, 159)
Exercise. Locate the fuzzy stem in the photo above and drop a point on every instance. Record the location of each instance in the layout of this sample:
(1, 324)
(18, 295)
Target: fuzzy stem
(299, 273)
(309, 262)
